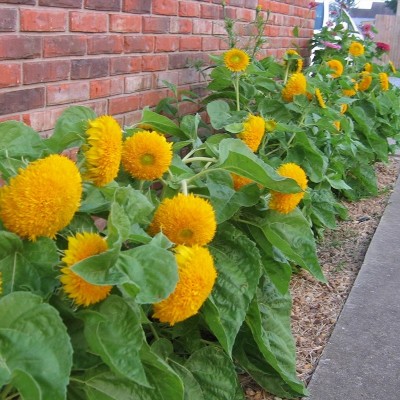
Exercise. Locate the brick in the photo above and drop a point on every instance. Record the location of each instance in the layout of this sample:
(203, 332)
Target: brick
(17, 47)
(218, 28)
(26, 2)
(89, 68)
(168, 76)
(180, 25)
(154, 63)
(105, 44)
(106, 87)
(177, 61)
(46, 71)
(10, 75)
(211, 11)
(138, 83)
(201, 26)
(125, 23)
(132, 118)
(125, 65)
(190, 43)
(21, 100)
(251, 4)
(43, 120)
(189, 9)
(152, 98)
(165, 7)
(138, 44)
(99, 107)
(209, 43)
(61, 3)
(166, 43)
(103, 5)
(120, 105)
(67, 93)
(10, 118)
(87, 21)
(137, 6)
(155, 25)
(43, 20)
(188, 76)
(8, 20)
(245, 15)
(66, 45)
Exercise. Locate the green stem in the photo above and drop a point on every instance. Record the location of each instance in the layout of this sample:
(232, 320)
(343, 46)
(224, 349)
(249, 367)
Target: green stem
(201, 173)
(184, 187)
(189, 160)
(236, 85)
(6, 391)
(286, 73)
(154, 332)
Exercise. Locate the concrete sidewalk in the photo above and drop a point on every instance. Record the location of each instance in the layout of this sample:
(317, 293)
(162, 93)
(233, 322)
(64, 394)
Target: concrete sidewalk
(362, 358)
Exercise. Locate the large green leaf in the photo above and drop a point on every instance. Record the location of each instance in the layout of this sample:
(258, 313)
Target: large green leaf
(362, 180)
(219, 113)
(238, 264)
(236, 157)
(70, 128)
(215, 372)
(225, 200)
(292, 235)
(115, 333)
(161, 124)
(28, 265)
(192, 387)
(36, 354)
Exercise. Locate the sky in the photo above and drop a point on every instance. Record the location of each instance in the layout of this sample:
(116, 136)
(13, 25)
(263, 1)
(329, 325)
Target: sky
(367, 3)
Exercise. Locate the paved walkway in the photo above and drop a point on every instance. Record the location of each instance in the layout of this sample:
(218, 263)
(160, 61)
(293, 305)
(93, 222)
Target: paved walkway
(362, 358)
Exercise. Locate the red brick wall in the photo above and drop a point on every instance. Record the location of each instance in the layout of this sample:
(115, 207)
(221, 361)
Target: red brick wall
(113, 55)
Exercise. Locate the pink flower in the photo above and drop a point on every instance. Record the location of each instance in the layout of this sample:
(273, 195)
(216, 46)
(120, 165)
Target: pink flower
(366, 27)
(369, 35)
(383, 47)
(312, 4)
(330, 23)
(331, 45)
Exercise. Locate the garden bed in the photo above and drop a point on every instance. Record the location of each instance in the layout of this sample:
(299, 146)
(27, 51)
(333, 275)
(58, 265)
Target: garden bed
(316, 306)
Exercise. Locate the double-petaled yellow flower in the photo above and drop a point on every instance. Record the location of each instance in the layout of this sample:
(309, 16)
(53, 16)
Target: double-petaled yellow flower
(296, 85)
(337, 67)
(356, 49)
(236, 60)
(365, 82)
(384, 81)
(253, 132)
(320, 99)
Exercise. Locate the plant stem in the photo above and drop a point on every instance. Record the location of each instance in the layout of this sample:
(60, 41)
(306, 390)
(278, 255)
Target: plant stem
(184, 187)
(203, 172)
(286, 73)
(6, 391)
(189, 160)
(236, 85)
(154, 332)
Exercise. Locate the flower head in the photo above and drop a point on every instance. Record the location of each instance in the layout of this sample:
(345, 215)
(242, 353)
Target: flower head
(368, 67)
(103, 150)
(384, 81)
(384, 47)
(240, 181)
(42, 199)
(365, 82)
(298, 62)
(287, 202)
(187, 220)
(236, 60)
(337, 67)
(296, 85)
(356, 49)
(146, 155)
(270, 125)
(352, 91)
(253, 132)
(82, 246)
(343, 108)
(336, 124)
(320, 99)
(197, 275)
(312, 4)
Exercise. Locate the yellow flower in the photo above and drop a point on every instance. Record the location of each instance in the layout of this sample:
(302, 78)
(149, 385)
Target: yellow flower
(356, 49)
(384, 81)
(42, 199)
(236, 60)
(103, 150)
(240, 181)
(197, 276)
(298, 65)
(343, 108)
(146, 155)
(296, 85)
(82, 246)
(187, 220)
(365, 83)
(368, 67)
(270, 125)
(336, 124)
(392, 67)
(337, 67)
(284, 203)
(320, 99)
(351, 92)
(253, 132)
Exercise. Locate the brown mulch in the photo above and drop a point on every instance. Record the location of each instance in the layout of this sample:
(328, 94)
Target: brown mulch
(316, 306)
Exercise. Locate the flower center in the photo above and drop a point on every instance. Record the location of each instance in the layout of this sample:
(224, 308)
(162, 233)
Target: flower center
(186, 233)
(147, 159)
(236, 59)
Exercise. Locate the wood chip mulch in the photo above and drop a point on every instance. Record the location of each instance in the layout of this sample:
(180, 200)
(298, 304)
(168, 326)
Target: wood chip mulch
(316, 306)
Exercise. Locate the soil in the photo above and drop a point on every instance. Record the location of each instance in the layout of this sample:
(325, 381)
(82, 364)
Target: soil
(316, 306)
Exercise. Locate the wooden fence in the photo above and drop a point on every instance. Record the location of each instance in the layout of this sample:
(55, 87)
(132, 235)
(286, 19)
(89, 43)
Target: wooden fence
(388, 27)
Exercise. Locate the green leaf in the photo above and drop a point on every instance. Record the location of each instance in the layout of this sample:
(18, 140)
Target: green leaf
(292, 235)
(152, 269)
(236, 157)
(215, 372)
(35, 349)
(238, 264)
(190, 125)
(296, 31)
(192, 388)
(70, 129)
(28, 265)
(115, 333)
(221, 79)
(362, 180)
(224, 199)
(161, 124)
(219, 113)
